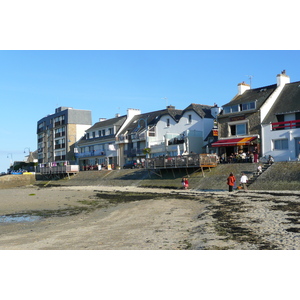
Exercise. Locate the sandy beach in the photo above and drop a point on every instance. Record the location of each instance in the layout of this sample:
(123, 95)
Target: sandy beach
(132, 218)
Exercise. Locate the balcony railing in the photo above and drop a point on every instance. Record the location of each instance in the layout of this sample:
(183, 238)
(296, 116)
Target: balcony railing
(132, 152)
(60, 146)
(286, 125)
(60, 157)
(91, 153)
(59, 134)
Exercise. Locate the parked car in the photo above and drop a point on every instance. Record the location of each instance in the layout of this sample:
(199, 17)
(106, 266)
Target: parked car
(131, 165)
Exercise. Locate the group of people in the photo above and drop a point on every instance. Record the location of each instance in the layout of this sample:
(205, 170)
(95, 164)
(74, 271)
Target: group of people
(249, 157)
(231, 181)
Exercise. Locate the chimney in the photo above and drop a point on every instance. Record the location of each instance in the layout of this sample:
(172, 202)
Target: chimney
(170, 107)
(282, 78)
(242, 87)
(215, 110)
(131, 112)
(117, 115)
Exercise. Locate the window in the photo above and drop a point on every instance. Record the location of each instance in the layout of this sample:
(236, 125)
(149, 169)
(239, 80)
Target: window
(238, 129)
(168, 122)
(152, 131)
(94, 134)
(227, 109)
(190, 119)
(281, 144)
(239, 107)
(234, 108)
(248, 106)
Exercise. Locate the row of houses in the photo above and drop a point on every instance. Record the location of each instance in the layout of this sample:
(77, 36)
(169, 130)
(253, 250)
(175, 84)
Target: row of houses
(264, 121)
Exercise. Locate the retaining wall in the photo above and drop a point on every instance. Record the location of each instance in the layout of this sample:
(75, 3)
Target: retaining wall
(11, 181)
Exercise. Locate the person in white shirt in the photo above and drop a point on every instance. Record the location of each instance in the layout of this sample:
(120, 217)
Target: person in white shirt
(259, 169)
(243, 181)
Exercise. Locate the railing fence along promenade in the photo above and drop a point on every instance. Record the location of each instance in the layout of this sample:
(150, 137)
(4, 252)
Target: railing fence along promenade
(59, 171)
(198, 161)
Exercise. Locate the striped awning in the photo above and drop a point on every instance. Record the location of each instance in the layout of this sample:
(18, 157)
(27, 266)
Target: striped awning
(234, 142)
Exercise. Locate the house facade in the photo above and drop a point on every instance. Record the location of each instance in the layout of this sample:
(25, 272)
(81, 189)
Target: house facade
(57, 134)
(169, 132)
(98, 146)
(281, 126)
(239, 124)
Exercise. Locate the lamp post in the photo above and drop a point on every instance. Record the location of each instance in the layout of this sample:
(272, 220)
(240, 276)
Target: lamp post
(11, 159)
(28, 153)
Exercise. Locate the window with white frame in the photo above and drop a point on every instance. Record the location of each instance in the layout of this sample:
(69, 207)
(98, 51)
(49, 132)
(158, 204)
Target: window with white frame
(280, 144)
(238, 128)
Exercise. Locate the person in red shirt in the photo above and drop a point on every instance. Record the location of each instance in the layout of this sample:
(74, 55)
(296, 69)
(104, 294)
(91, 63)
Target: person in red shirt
(230, 181)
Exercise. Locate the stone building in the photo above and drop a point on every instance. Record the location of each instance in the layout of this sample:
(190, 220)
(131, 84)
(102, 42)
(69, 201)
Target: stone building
(239, 123)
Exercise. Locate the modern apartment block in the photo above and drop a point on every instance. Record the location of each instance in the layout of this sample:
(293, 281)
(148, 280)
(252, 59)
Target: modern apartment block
(58, 133)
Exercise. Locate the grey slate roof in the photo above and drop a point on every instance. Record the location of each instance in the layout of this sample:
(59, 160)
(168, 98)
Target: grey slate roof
(287, 102)
(260, 95)
(153, 117)
(204, 111)
(118, 121)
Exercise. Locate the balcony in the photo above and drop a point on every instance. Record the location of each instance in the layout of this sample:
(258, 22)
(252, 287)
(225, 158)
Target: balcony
(91, 153)
(59, 123)
(59, 134)
(286, 125)
(60, 146)
(60, 157)
(122, 139)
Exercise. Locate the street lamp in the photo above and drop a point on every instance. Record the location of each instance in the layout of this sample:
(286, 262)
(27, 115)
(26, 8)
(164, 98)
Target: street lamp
(28, 150)
(11, 159)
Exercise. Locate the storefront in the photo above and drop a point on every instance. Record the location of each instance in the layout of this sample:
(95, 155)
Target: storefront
(236, 146)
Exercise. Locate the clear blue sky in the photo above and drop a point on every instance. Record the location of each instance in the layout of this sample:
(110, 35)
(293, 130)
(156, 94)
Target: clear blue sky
(34, 83)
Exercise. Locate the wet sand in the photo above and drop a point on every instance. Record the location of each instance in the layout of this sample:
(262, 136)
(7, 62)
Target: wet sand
(171, 219)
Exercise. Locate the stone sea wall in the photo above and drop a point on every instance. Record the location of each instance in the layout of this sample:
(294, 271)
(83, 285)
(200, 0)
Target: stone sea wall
(11, 181)
(279, 176)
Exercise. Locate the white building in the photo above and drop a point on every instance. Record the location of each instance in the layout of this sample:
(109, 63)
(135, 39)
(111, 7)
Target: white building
(281, 126)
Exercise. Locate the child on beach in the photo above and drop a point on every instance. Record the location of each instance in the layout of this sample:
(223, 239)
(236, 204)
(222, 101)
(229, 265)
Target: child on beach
(185, 183)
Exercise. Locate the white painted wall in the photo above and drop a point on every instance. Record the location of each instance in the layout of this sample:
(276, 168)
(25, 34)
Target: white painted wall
(279, 155)
(282, 80)
(198, 124)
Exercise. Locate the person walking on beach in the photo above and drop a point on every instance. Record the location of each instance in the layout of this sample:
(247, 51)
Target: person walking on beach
(243, 181)
(230, 181)
(186, 183)
(183, 182)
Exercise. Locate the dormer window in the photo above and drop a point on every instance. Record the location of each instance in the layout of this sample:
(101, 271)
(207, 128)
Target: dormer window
(239, 107)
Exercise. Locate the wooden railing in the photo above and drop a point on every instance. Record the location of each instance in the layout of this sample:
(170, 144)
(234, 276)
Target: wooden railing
(184, 161)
